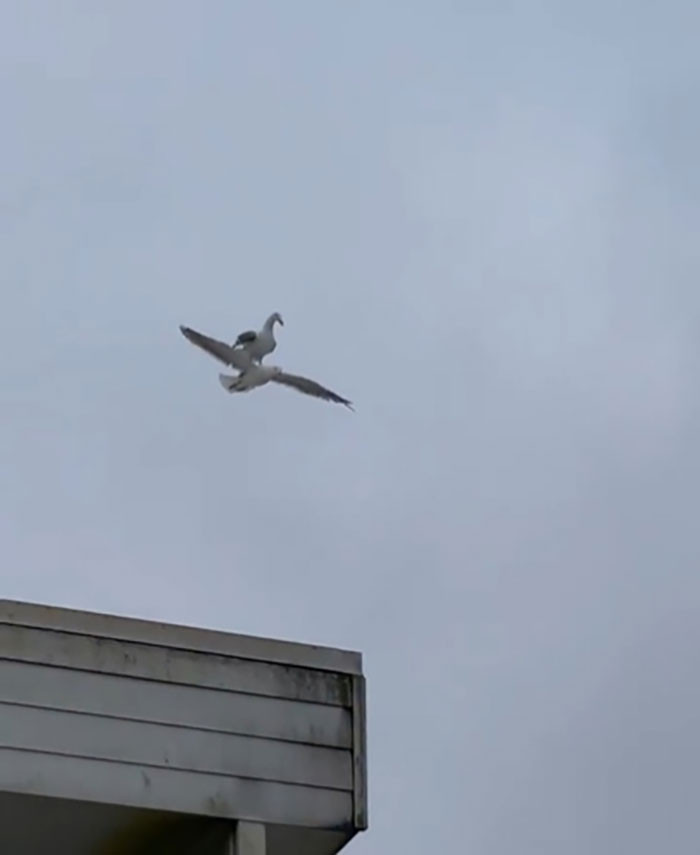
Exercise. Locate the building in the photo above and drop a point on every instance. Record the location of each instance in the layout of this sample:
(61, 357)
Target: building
(126, 736)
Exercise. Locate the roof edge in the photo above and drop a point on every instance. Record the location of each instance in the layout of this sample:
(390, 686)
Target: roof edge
(180, 636)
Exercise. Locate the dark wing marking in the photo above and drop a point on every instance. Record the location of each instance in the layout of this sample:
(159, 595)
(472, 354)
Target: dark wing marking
(218, 349)
(310, 387)
(246, 337)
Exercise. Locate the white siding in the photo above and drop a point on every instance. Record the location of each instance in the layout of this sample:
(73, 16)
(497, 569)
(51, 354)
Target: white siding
(37, 773)
(156, 717)
(172, 703)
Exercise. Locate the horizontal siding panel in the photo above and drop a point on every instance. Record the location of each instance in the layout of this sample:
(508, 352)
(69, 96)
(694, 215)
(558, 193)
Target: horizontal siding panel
(170, 703)
(168, 789)
(185, 637)
(167, 746)
(145, 661)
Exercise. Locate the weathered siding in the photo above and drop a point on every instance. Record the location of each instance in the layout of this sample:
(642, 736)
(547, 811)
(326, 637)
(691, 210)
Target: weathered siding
(187, 637)
(153, 716)
(172, 703)
(38, 773)
(173, 665)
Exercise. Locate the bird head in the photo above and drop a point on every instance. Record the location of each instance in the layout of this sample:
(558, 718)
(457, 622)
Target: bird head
(275, 317)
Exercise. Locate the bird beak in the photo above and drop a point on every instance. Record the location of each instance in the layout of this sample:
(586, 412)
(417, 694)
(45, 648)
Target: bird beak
(281, 321)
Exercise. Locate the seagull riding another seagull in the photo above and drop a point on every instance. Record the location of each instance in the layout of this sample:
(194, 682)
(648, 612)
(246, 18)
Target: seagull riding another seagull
(251, 373)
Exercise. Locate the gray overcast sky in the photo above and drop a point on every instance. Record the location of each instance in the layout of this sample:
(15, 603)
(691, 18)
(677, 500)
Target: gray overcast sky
(480, 222)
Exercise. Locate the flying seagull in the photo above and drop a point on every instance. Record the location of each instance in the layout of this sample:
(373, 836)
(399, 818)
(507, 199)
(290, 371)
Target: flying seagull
(259, 344)
(252, 374)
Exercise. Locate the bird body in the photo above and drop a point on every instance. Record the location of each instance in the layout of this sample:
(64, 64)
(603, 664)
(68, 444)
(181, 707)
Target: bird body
(258, 344)
(255, 375)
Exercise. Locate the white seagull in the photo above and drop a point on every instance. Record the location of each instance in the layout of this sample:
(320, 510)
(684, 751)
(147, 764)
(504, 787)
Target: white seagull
(259, 344)
(251, 373)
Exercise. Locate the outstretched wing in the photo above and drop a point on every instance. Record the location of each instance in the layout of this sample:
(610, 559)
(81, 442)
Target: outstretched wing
(310, 387)
(218, 349)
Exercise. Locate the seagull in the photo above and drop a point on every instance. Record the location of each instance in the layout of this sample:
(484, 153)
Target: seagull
(252, 374)
(259, 344)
